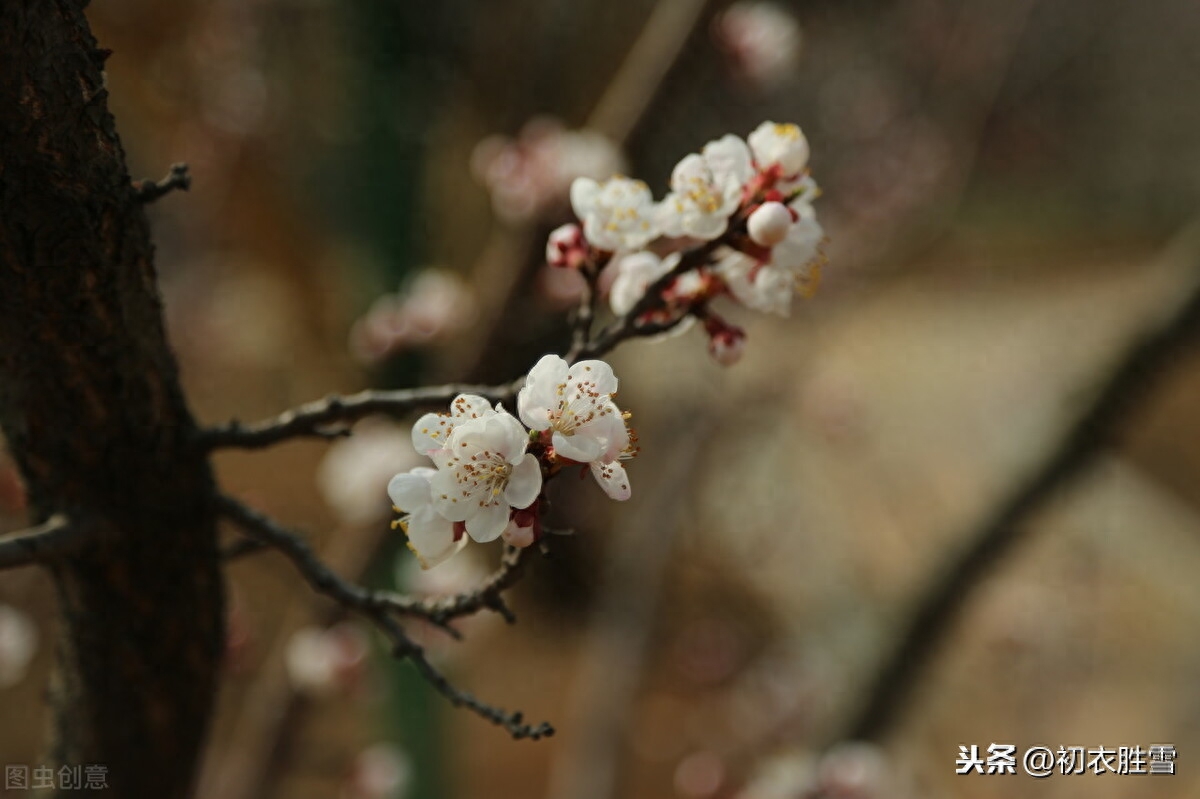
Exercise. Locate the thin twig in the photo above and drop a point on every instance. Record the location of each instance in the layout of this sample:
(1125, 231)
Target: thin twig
(1127, 386)
(46, 542)
(331, 417)
(378, 606)
(241, 548)
(641, 75)
(147, 191)
(581, 325)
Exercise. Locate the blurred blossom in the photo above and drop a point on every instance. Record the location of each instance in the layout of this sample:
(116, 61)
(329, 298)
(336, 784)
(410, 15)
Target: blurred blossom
(785, 776)
(455, 576)
(434, 306)
(354, 474)
(699, 774)
(761, 41)
(561, 288)
(383, 771)
(533, 172)
(856, 771)
(18, 645)
(321, 662)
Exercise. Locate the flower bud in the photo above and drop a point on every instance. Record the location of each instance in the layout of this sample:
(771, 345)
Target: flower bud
(726, 342)
(566, 247)
(769, 224)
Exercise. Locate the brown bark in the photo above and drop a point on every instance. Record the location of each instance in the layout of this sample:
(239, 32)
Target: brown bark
(92, 408)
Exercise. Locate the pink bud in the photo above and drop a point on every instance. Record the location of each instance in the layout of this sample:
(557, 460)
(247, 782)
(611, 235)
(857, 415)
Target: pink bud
(566, 247)
(769, 224)
(726, 342)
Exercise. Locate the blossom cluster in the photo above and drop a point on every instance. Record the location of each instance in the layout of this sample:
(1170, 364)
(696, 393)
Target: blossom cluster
(489, 467)
(745, 205)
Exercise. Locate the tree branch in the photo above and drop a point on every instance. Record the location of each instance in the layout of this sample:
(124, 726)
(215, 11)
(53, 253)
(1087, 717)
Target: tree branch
(147, 191)
(378, 606)
(47, 541)
(1131, 381)
(331, 417)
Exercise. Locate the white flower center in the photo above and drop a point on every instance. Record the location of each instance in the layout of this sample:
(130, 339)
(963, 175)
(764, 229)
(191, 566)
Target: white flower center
(581, 403)
(482, 476)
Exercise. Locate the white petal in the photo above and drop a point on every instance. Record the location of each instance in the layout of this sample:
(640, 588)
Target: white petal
(598, 372)
(577, 448)
(470, 406)
(510, 435)
(448, 499)
(687, 172)
(431, 539)
(612, 478)
(525, 482)
(583, 196)
(410, 491)
(540, 393)
(706, 226)
(488, 522)
(729, 159)
(430, 432)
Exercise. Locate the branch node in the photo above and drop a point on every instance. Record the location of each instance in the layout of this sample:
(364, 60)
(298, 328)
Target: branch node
(147, 191)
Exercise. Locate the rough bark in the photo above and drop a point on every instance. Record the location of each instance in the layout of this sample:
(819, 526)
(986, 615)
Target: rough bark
(92, 408)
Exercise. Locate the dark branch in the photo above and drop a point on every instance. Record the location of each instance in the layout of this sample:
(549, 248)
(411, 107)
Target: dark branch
(330, 417)
(241, 548)
(378, 606)
(147, 191)
(581, 325)
(48, 541)
(1131, 381)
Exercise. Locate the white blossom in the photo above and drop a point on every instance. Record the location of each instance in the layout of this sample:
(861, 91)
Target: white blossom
(484, 473)
(791, 265)
(706, 189)
(574, 404)
(618, 214)
(431, 536)
(779, 145)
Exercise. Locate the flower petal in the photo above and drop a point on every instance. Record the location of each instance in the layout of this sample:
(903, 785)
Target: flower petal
(431, 539)
(597, 372)
(577, 448)
(488, 522)
(470, 406)
(410, 491)
(448, 497)
(524, 483)
(430, 432)
(729, 160)
(583, 196)
(540, 392)
(612, 478)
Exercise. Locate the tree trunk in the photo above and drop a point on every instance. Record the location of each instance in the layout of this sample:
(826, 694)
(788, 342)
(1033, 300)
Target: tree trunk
(92, 408)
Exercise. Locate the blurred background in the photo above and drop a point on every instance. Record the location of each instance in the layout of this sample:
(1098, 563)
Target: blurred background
(1005, 183)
